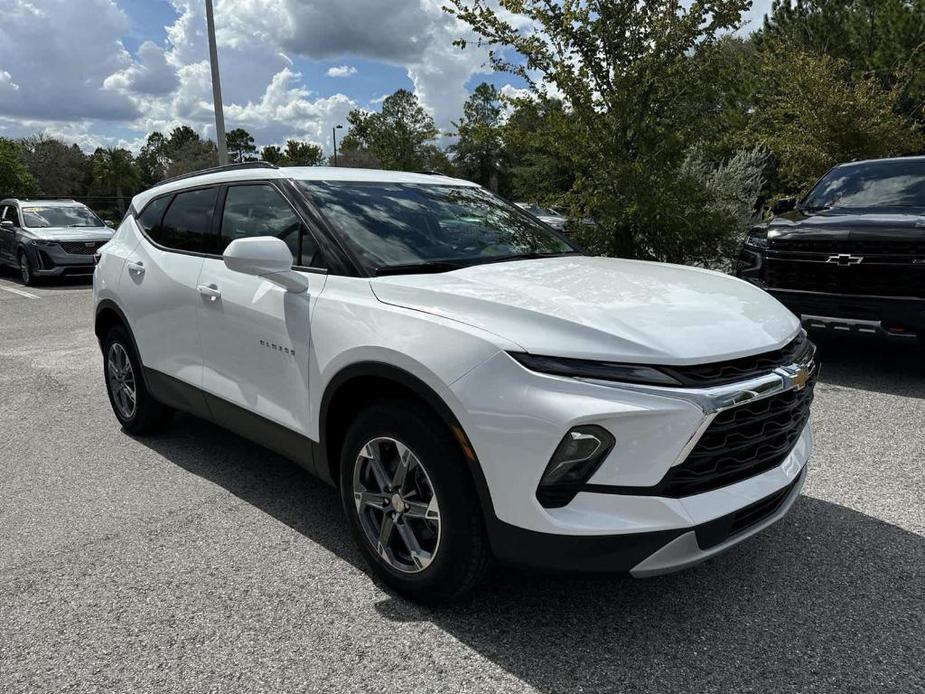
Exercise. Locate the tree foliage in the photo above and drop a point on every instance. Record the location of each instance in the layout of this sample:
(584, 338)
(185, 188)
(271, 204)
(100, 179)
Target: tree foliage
(240, 146)
(15, 179)
(479, 153)
(396, 136)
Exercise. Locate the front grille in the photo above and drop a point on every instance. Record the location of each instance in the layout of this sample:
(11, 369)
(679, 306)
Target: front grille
(742, 442)
(721, 373)
(853, 246)
(871, 277)
(81, 247)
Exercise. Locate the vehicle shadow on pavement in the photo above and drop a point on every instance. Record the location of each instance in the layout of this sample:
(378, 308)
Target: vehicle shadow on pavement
(872, 364)
(828, 599)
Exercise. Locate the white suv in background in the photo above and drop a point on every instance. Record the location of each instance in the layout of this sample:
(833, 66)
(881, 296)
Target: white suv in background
(473, 383)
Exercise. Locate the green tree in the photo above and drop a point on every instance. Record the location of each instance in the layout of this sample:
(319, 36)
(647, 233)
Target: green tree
(538, 172)
(15, 179)
(240, 145)
(396, 136)
(187, 152)
(479, 152)
(272, 154)
(58, 168)
(153, 159)
(115, 173)
(298, 153)
(883, 40)
(812, 114)
(633, 96)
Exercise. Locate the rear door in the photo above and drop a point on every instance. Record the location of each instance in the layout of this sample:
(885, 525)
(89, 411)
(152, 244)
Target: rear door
(255, 334)
(158, 285)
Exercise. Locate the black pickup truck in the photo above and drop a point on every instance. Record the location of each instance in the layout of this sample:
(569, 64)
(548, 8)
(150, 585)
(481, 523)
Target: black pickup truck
(850, 256)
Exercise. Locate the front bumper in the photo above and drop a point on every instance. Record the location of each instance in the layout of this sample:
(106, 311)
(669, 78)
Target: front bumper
(642, 554)
(515, 418)
(851, 313)
(54, 261)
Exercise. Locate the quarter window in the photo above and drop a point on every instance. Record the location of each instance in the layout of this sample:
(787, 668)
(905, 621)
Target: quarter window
(188, 222)
(260, 210)
(150, 219)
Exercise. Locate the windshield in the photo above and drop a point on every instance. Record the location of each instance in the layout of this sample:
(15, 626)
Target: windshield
(894, 183)
(59, 216)
(399, 224)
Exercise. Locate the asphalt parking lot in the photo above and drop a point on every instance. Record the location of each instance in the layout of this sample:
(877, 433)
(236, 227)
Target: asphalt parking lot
(195, 561)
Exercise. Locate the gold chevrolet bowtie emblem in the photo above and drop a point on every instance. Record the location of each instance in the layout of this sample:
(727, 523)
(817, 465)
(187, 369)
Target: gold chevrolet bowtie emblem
(800, 379)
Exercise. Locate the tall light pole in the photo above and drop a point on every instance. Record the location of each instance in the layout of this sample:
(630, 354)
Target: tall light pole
(216, 89)
(334, 135)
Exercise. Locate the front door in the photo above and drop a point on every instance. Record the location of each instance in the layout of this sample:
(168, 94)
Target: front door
(8, 234)
(255, 334)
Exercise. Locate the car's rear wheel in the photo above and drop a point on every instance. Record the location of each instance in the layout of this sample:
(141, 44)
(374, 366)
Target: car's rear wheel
(25, 269)
(411, 503)
(136, 410)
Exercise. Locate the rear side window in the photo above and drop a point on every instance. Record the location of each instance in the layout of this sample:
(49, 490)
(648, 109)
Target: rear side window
(150, 219)
(187, 225)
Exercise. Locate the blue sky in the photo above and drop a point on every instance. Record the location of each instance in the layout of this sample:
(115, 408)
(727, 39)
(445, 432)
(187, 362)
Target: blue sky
(107, 72)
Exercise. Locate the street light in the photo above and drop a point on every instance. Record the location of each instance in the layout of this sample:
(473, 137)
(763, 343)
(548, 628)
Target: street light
(334, 135)
(216, 89)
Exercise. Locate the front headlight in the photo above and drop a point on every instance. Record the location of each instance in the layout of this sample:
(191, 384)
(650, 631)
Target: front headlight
(45, 242)
(757, 238)
(577, 457)
(599, 370)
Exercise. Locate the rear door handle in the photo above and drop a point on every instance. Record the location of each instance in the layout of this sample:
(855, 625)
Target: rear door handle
(210, 290)
(136, 268)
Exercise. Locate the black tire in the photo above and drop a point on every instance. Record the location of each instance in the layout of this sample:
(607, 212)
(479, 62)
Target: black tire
(24, 265)
(462, 556)
(148, 416)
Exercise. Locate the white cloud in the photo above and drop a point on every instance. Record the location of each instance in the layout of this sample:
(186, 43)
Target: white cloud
(60, 52)
(6, 81)
(149, 74)
(341, 71)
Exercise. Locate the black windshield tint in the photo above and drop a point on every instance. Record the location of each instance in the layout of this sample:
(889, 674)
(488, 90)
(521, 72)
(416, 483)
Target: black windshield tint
(39, 217)
(873, 184)
(390, 224)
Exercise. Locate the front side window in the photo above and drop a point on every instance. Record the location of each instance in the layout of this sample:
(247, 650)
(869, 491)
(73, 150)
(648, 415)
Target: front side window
(42, 217)
(187, 225)
(150, 218)
(894, 183)
(393, 226)
(260, 210)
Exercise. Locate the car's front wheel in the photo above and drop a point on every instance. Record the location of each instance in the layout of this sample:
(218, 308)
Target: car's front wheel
(25, 269)
(411, 502)
(136, 410)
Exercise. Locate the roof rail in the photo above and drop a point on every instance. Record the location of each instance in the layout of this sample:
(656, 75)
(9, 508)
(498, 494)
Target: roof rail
(219, 169)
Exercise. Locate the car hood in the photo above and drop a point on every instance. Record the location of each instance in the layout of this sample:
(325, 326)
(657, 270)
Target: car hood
(884, 223)
(70, 233)
(603, 308)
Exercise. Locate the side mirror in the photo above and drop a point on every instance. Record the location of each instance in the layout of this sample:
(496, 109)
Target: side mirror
(783, 205)
(6, 223)
(267, 257)
(109, 223)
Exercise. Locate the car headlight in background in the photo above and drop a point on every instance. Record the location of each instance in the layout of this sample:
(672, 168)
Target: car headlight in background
(599, 370)
(45, 242)
(576, 458)
(757, 238)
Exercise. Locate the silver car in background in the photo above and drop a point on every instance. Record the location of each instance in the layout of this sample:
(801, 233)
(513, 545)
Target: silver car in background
(49, 238)
(547, 215)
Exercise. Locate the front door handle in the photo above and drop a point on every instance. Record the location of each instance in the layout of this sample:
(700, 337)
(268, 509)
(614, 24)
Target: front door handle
(136, 268)
(210, 290)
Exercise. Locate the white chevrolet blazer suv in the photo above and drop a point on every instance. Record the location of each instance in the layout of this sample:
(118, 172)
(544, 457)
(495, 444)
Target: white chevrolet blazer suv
(474, 384)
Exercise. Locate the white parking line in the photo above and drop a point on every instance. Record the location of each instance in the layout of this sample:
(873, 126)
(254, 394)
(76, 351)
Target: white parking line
(20, 292)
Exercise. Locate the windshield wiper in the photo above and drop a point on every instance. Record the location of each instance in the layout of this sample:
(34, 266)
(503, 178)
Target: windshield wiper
(411, 268)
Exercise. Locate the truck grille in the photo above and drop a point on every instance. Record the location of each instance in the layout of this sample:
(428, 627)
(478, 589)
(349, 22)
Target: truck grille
(81, 247)
(874, 276)
(742, 442)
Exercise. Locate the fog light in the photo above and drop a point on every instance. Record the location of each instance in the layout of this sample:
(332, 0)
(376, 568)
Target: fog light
(576, 458)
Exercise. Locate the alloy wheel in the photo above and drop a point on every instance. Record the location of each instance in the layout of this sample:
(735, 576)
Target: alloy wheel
(396, 505)
(121, 380)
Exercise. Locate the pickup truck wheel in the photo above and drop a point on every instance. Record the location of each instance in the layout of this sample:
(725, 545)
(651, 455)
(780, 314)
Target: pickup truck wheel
(136, 410)
(411, 503)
